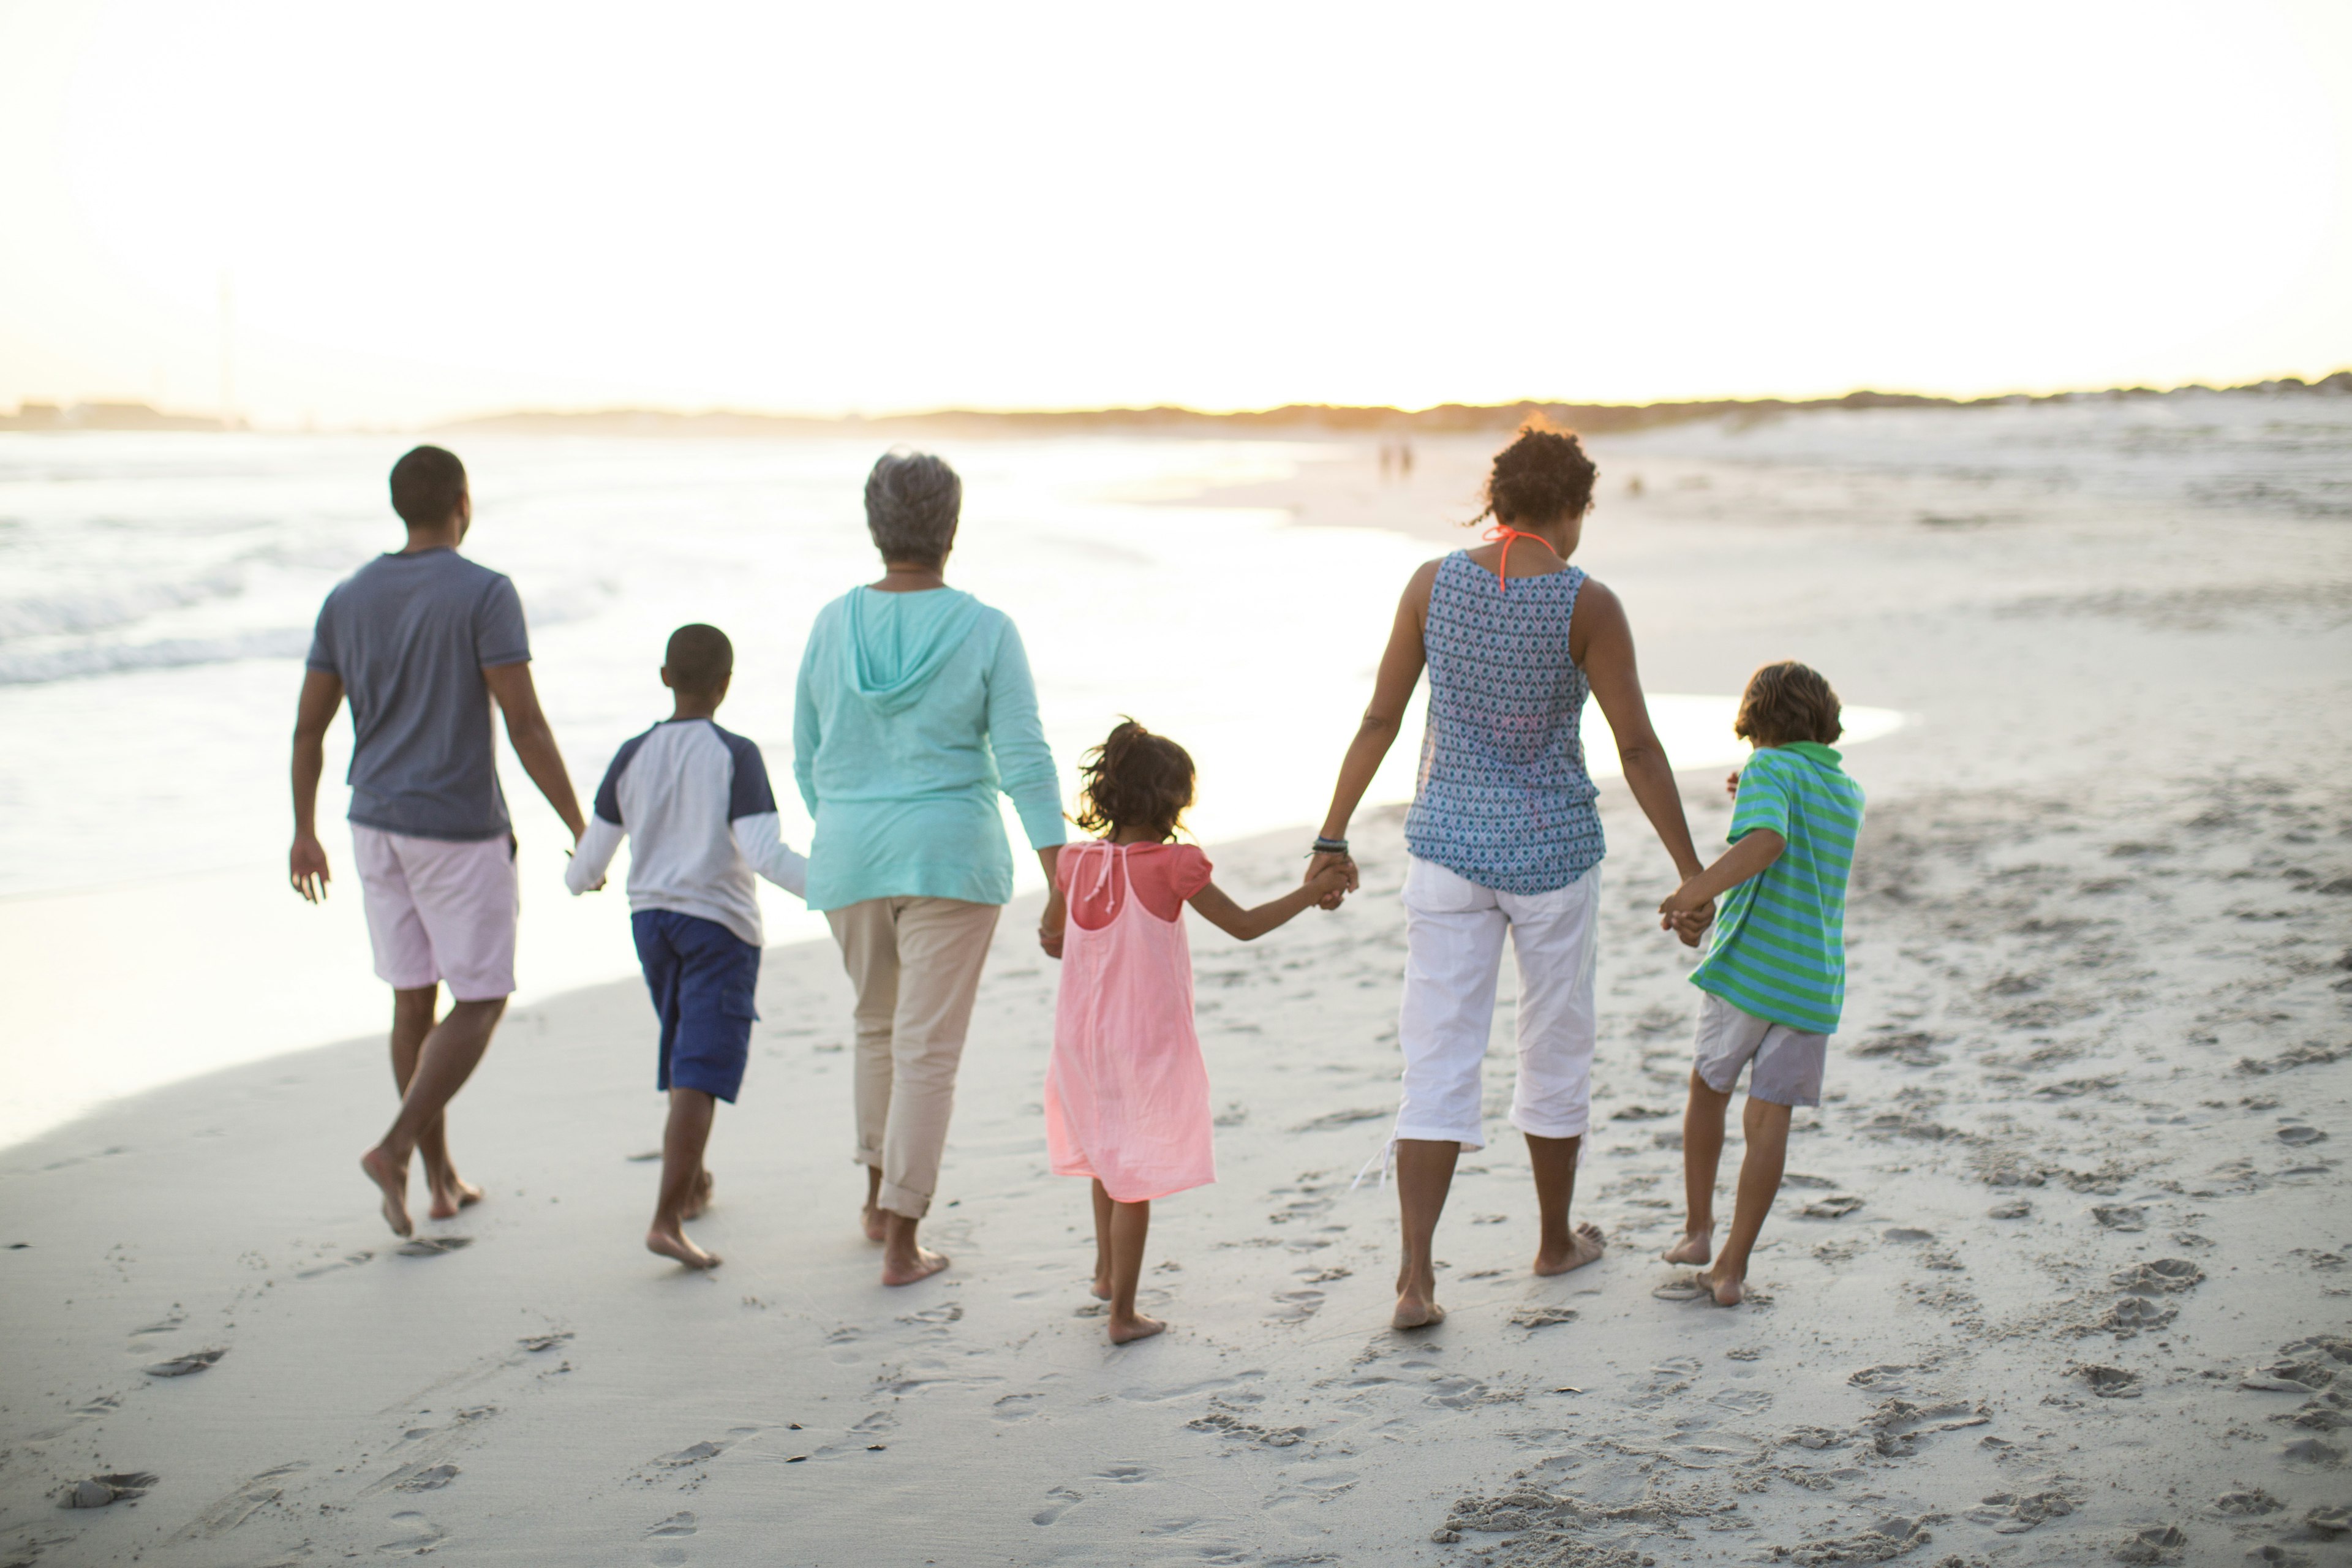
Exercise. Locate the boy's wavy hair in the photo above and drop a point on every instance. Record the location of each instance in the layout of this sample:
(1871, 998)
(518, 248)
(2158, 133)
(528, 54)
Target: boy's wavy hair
(1541, 477)
(1788, 701)
(1135, 779)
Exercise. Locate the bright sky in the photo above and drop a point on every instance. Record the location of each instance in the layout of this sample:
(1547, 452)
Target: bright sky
(433, 209)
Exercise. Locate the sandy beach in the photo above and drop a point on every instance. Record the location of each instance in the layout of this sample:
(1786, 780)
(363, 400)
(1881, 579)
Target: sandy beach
(2059, 1274)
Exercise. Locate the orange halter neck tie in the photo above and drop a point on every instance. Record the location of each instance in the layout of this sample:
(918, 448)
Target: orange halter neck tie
(1509, 536)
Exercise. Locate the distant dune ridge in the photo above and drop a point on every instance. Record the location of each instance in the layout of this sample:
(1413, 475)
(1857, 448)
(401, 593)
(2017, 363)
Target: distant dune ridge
(1446, 418)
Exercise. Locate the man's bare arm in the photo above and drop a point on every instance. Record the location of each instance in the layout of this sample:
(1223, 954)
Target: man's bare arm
(322, 697)
(534, 740)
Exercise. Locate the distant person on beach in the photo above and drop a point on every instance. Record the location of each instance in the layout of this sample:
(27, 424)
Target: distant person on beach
(695, 803)
(423, 641)
(915, 711)
(1127, 1094)
(1504, 840)
(1774, 975)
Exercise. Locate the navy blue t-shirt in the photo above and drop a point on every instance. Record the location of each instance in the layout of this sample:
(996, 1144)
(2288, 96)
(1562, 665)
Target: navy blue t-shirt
(410, 636)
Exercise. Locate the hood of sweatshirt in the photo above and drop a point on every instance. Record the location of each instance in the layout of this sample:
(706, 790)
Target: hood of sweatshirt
(898, 642)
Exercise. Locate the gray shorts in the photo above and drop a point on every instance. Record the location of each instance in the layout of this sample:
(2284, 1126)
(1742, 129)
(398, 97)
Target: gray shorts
(1788, 1062)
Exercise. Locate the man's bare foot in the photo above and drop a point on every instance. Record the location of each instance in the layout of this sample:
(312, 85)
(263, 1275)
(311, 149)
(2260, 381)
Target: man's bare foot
(924, 1264)
(1124, 1330)
(873, 1218)
(1727, 1289)
(391, 1180)
(1414, 1310)
(1696, 1246)
(700, 1198)
(1584, 1246)
(670, 1242)
(452, 1194)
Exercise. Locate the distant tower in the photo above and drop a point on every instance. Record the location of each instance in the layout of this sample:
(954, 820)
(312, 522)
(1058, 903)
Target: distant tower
(227, 354)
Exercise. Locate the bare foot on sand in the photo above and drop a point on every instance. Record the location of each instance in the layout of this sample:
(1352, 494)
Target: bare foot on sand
(1697, 1246)
(1139, 1327)
(700, 1199)
(1585, 1246)
(1727, 1289)
(1416, 1312)
(673, 1243)
(391, 1180)
(450, 1195)
(873, 1220)
(925, 1264)
(1102, 1289)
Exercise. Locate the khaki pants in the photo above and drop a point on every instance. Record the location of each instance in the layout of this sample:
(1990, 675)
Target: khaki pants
(916, 965)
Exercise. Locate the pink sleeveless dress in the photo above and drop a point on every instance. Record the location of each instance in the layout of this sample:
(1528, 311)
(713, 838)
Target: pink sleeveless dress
(1127, 1094)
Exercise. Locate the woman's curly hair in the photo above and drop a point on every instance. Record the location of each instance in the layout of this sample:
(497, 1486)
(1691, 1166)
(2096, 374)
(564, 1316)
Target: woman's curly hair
(1541, 477)
(1135, 779)
(1788, 701)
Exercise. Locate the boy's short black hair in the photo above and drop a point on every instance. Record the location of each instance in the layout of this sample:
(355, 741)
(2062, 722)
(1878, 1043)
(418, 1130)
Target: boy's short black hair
(698, 658)
(1788, 701)
(427, 486)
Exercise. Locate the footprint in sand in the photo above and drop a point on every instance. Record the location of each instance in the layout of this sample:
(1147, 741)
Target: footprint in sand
(1535, 1317)
(1836, 1208)
(349, 1260)
(1015, 1406)
(102, 1492)
(431, 1479)
(2160, 1278)
(1908, 1233)
(2110, 1381)
(433, 1245)
(675, 1524)
(163, 1326)
(547, 1342)
(2298, 1135)
(2121, 1217)
(1063, 1500)
(182, 1366)
(423, 1535)
(2015, 1208)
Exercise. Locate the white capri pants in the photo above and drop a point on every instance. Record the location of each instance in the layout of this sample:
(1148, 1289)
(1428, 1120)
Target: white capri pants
(1454, 956)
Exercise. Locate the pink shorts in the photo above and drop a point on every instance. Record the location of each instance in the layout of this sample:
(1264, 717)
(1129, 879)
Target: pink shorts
(440, 911)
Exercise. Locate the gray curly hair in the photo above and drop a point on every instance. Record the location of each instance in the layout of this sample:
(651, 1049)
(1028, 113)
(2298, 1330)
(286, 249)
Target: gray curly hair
(912, 502)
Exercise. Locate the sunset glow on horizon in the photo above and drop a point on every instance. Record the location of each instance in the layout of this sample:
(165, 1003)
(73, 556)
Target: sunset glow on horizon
(415, 215)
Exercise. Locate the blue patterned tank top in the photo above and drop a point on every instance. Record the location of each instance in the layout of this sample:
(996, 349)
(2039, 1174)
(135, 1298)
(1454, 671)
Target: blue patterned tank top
(1503, 798)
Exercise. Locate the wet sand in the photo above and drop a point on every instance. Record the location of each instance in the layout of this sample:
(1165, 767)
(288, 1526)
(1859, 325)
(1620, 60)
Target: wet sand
(2060, 1275)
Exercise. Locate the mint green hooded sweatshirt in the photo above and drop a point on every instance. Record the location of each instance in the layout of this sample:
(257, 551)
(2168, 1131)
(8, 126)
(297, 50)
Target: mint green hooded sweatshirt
(913, 712)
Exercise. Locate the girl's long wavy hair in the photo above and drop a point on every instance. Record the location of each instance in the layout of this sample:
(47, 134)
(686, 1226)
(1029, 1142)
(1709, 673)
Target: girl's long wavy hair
(1135, 779)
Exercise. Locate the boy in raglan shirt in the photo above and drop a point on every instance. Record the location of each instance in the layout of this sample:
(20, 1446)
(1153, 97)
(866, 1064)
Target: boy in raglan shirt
(1775, 972)
(696, 801)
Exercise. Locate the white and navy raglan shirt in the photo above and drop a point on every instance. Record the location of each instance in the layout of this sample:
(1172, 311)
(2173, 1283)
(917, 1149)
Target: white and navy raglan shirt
(695, 799)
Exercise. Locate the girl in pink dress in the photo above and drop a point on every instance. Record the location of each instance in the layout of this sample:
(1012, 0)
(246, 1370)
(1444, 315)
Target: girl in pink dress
(1127, 1094)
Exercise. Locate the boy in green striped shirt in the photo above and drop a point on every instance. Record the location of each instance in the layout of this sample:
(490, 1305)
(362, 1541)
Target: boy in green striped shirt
(1774, 975)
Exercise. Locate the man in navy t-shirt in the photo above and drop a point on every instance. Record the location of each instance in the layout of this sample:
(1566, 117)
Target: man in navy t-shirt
(423, 641)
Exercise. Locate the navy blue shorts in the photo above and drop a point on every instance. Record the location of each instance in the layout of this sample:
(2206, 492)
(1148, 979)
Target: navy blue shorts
(703, 977)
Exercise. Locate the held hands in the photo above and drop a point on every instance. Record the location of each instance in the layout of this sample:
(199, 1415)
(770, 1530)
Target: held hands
(306, 868)
(1336, 875)
(1050, 925)
(1688, 913)
(1731, 784)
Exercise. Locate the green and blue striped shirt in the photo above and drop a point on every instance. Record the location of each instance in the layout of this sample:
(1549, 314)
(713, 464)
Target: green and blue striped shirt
(1779, 950)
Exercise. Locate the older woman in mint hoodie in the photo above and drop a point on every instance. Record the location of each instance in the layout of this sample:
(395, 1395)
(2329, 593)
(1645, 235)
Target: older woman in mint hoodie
(915, 710)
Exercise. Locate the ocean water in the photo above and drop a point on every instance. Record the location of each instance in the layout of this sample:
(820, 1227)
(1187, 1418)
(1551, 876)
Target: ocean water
(156, 593)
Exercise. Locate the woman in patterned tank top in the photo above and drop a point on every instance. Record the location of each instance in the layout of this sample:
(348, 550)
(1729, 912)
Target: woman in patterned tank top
(1505, 838)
